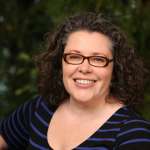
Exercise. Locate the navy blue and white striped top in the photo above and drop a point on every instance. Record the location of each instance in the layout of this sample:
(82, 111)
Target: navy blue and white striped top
(26, 128)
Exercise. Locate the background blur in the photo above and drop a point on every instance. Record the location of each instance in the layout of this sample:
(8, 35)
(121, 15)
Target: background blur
(23, 24)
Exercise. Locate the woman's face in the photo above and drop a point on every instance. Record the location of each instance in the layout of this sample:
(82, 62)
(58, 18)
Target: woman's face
(84, 82)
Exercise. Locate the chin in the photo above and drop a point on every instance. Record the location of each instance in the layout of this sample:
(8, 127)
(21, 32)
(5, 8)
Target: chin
(82, 98)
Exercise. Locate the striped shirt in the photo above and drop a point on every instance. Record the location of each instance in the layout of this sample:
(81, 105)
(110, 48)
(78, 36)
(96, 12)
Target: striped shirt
(26, 128)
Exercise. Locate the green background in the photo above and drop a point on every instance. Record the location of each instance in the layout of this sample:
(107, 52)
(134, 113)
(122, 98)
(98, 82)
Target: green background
(23, 24)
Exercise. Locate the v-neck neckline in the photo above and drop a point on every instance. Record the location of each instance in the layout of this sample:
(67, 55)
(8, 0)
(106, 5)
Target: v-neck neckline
(103, 126)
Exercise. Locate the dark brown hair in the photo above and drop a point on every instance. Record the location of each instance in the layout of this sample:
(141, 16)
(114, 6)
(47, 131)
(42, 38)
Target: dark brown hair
(127, 82)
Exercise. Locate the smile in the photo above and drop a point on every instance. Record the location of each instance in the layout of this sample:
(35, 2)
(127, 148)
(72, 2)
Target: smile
(83, 81)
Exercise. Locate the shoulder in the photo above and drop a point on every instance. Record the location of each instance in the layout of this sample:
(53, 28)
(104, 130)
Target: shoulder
(135, 126)
(134, 120)
(37, 103)
(18, 127)
(134, 132)
(41, 104)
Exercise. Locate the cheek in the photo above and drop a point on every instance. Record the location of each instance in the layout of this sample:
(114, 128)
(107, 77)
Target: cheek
(64, 72)
(64, 76)
(106, 75)
(67, 71)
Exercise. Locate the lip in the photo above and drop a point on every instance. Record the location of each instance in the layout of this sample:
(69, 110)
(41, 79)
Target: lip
(84, 83)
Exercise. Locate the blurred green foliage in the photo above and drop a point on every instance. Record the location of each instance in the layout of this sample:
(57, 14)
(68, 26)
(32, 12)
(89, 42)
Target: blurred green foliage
(23, 24)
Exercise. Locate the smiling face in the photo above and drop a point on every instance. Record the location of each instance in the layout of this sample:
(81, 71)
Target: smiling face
(84, 82)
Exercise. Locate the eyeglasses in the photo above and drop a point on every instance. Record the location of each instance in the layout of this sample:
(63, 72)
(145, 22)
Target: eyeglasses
(76, 59)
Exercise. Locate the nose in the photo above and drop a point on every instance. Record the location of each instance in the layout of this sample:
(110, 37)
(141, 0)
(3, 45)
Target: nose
(85, 67)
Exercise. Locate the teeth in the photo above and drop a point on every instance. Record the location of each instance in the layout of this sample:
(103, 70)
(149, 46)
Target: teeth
(85, 81)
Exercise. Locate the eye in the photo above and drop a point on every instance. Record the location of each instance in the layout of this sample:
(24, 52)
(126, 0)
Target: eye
(98, 59)
(74, 57)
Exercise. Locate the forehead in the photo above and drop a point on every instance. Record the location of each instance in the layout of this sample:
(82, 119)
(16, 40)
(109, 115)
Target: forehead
(88, 42)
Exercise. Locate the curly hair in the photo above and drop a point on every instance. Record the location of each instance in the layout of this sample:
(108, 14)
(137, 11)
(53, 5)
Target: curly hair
(128, 72)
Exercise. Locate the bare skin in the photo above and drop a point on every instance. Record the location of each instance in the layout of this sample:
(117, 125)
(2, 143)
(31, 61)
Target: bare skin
(3, 145)
(67, 130)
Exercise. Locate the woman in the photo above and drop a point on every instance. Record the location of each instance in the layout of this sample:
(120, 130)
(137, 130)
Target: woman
(90, 80)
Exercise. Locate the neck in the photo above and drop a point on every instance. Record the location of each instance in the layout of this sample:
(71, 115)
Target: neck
(92, 108)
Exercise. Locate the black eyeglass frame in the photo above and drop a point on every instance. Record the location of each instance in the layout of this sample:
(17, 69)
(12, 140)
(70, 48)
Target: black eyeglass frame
(88, 58)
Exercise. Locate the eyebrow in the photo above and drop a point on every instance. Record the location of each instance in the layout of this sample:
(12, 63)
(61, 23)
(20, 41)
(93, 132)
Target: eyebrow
(75, 51)
(93, 54)
(96, 53)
